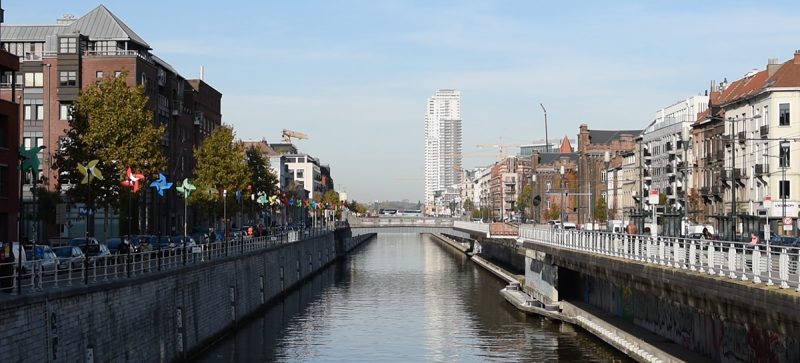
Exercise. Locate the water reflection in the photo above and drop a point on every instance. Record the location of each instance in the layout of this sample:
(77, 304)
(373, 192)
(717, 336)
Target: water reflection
(404, 298)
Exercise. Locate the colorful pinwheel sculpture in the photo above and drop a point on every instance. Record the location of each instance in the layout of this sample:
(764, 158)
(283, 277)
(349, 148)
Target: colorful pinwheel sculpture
(262, 199)
(132, 180)
(161, 184)
(29, 157)
(89, 172)
(273, 200)
(185, 188)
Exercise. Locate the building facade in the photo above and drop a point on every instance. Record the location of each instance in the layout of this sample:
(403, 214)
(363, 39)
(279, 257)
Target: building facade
(58, 61)
(667, 141)
(442, 146)
(9, 141)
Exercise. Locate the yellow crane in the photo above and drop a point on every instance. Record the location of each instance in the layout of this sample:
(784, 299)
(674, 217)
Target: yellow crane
(287, 135)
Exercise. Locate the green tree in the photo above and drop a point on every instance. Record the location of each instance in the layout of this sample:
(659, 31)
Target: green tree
(357, 207)
(468, 205)
(331, 197)
(220, 165)
(111, 123)
(555, 211)
(524, 199)
(262, 178)
(600, 209)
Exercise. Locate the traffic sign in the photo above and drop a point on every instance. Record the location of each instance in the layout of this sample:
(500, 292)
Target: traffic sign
(768, 201)
(787, 221)
(653, 196)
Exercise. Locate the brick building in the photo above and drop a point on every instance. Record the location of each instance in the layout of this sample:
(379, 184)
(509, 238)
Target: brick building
(57, 61)
(9, 141)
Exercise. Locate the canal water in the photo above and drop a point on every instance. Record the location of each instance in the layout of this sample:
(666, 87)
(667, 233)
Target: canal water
(404, 298)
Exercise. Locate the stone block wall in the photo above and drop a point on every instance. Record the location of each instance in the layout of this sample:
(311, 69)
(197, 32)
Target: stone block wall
(160, 317)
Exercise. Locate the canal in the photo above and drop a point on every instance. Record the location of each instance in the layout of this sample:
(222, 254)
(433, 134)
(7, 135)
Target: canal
(404, 298)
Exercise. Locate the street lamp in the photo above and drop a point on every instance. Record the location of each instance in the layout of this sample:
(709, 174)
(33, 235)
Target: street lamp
(733, 171)
(607, 159)
(784, 162)
(533, 191)
(685, 135)
(563, 195)
(546, 140)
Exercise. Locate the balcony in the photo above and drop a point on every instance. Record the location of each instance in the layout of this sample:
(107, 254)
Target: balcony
(117, 53)
(764, 130)
(761, 169)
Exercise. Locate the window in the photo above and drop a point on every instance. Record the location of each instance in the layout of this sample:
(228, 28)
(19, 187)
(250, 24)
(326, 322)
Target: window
(28, 113)
(299, 174)
(34, 79)
(65, 111)
(68, 45)
(4, 131)
(4, 181)
(99, 74)
(783, 114)
(784, 155)
(784, 189)
(40, 112)
(68, 78)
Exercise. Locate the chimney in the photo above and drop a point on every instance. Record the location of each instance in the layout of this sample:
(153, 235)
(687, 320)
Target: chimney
(202, 72)
(797, 56)
(773, 66)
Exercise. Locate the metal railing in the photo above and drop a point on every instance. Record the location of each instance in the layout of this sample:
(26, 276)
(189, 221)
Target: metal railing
(759, 263)
(41, 275)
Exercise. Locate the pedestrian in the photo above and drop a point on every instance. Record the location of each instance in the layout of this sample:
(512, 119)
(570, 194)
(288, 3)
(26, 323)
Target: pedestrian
(753, 239)
(706, 234)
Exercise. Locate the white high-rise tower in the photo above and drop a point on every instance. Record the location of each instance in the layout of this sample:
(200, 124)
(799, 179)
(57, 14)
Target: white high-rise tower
(442, 145)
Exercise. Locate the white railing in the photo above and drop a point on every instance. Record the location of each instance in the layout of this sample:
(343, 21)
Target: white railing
(760, 264)
(117, 53)
(39, 275)
(401, 221)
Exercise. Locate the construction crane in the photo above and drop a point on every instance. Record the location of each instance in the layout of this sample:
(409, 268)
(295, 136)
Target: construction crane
(501, 148)
(287, 135)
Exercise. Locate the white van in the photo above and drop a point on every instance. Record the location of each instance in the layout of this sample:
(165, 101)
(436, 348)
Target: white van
(16, 252)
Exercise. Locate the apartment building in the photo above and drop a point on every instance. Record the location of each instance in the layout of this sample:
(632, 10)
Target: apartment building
(442, 146)
(58, 60)
(592, 148)
(760, 148)
(9, 141)
(667, 141)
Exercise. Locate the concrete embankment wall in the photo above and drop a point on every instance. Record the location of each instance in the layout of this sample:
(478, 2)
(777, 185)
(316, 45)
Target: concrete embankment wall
(160, 317)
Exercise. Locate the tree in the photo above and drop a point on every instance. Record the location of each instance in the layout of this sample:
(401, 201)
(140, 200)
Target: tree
(262, 178)
(555, 211)
(468, 205)
(357, 207)
(111, 123)
(331, 197)
(600, 209)
(524, 199)
(220, 165)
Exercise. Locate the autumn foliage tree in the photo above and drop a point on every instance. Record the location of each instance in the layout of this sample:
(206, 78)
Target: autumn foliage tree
(220, 165)
(111, 123)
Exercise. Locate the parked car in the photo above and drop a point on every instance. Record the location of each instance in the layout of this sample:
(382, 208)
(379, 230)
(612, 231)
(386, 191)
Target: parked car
(784, 242)
(163, 243)
(42, 258)
(81, 241)
(569, 225)
(178, 241)
(98, 254)
(16, 255)
(114, 244)
(69, 256)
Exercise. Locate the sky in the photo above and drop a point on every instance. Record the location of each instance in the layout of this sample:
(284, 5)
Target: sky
(355, 75)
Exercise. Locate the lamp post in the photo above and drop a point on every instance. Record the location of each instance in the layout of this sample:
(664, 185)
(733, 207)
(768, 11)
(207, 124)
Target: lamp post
(732, 175)
(546, 140)
(563, 195)
(606, 160)
(784, 162)
(685, 135)
(533, 211)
